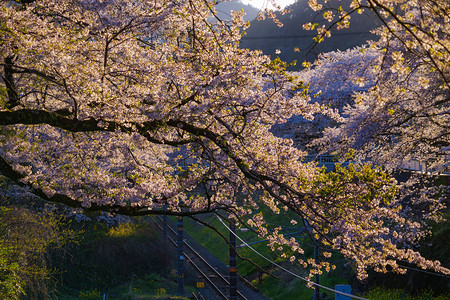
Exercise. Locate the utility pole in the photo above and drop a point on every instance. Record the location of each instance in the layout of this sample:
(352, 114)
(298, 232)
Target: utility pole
(233, 265)
(165, 225)
(180, 259)
(316, 259)
(316, 277)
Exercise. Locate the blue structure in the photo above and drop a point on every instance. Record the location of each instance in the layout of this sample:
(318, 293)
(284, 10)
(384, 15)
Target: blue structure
(345, 288)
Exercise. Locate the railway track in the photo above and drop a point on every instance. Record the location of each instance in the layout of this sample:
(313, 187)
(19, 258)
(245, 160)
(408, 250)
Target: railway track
(214, 279)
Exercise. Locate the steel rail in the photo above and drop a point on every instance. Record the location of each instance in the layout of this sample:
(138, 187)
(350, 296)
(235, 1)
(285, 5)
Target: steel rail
(197, 267)
(206, 277)
(209, 265)
(205, 262)
(201, 272)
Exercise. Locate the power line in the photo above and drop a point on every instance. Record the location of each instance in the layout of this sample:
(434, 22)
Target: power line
(423, 271)
(296, 36)
(286, 270)
(403, 266)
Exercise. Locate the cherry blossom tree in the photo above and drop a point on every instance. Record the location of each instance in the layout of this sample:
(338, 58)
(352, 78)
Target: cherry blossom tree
(333, 80)
(405, 113)
(394, 95)
(128, 106)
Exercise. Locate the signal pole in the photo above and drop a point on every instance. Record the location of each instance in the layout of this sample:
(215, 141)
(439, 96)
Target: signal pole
(233, 265)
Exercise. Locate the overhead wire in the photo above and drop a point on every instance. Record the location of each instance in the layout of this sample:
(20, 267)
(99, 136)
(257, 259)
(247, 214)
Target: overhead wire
(286, 270)
(295, 36)
(423, 271)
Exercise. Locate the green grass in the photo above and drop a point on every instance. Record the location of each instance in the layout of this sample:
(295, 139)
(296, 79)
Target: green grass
(152, 286)
(293, 290)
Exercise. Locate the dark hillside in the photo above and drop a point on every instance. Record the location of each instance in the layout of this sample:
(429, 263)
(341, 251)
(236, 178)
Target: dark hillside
(268, 37)
(224, 9)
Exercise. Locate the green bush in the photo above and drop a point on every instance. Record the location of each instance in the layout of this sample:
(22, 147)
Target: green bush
(380, 293)
(90, 295)
(26, 239)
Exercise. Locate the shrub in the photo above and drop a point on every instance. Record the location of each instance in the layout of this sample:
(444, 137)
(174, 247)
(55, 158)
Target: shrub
(26, 238)
(89, 295)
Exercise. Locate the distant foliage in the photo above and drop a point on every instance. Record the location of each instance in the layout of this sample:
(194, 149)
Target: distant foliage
(122, 230)
(111, 256)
